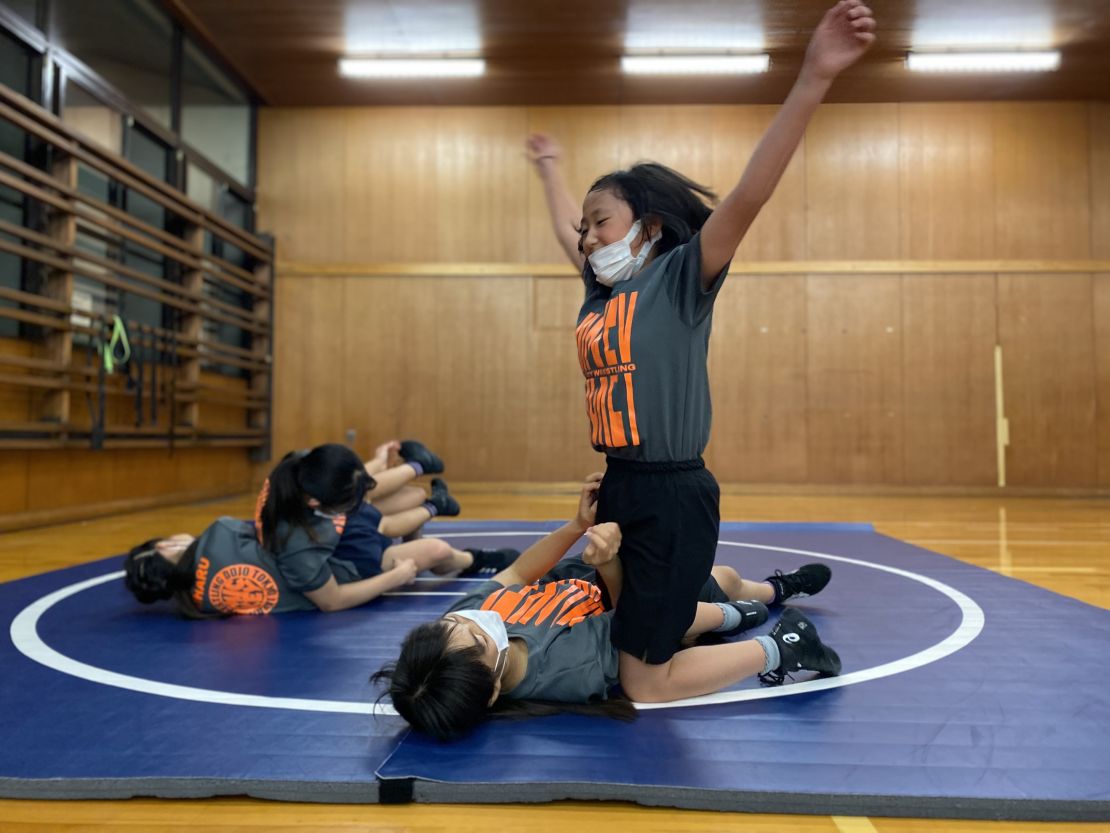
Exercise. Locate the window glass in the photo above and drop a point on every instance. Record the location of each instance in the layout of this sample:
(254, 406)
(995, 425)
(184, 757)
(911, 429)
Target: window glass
(27, 9)
(92, 118)
(129, 43)
(201, 188)
(215, 114)
(15, 72)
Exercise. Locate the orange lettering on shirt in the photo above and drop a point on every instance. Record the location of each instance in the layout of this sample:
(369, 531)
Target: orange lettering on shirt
(605, 355)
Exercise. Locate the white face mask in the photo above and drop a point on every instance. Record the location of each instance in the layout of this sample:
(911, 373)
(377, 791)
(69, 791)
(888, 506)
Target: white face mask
(493, 626)
(615, 263)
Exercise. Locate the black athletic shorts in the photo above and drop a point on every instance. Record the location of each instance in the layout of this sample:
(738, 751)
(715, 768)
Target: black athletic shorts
(670, 517)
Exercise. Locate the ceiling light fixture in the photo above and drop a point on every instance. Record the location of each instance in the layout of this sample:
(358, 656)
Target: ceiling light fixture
(694, 64)
(411, 67)
(983, 61)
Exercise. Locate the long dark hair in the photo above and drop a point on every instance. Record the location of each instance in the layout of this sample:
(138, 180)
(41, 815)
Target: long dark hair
(150, 577)
(443, 693)
(331, 473)
(654, 191)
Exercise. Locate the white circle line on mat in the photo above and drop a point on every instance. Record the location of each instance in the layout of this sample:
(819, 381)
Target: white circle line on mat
(25, 637)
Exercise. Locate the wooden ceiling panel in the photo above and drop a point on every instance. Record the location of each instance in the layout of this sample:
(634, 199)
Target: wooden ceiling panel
(566, 52)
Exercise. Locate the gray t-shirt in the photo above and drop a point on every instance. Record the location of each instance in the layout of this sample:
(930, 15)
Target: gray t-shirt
(566, 630)
(643, 347)
(235, 575)
(307, 561)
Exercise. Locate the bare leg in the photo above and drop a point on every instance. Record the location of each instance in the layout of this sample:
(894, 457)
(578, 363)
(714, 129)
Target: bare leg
(407, 497)
(740, 589)
(433, 554)
(389, 481)
(690, 672)
(708, 617)
(404, 523)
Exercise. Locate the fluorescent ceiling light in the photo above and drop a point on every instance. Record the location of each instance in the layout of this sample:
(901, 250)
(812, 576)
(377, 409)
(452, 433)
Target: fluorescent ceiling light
(694, 64)
(411, 67)
(982, 61)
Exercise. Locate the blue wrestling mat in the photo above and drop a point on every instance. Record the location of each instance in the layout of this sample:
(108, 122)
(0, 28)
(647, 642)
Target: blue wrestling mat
(964, 694)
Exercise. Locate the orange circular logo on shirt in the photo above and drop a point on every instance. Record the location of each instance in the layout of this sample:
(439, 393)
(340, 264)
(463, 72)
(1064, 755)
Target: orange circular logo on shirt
(243, 589)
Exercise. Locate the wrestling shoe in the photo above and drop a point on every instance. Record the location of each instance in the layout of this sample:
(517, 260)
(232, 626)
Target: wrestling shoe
(800, 649)
(489, 562)
(805, 581)
(446, 506)
(752, 615)
(414, 451)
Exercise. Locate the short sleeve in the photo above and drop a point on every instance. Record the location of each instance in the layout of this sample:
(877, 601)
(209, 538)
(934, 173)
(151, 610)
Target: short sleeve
(683, 280)
(303, 562)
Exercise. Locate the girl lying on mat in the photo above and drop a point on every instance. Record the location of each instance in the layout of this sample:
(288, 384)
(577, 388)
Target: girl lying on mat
(517, 646)
(315, 542)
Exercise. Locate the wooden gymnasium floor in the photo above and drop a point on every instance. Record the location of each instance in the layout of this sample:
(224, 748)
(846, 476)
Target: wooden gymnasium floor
(1059, 544)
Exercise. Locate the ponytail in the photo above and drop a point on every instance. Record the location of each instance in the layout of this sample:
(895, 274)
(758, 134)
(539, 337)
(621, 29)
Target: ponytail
(331, 473)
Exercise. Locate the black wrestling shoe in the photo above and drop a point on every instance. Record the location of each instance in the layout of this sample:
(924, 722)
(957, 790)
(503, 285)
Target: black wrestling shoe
(441, 499)
(489, 562)
(414, 451)
(752, 615)
(800, 649)
(805, 581)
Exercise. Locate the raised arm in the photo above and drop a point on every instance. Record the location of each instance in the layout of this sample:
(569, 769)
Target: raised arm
(566, 215)
(844, 34)
(531, 565)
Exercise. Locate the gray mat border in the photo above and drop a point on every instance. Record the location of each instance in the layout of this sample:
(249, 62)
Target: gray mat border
(316, 792)
(683, 798)
(823, 804)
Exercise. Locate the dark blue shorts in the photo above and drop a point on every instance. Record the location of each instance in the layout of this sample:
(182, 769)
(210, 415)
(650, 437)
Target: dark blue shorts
(361, 543)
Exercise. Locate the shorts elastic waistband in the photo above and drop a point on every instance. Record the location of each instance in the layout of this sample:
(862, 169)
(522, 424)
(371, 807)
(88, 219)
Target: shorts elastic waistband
(645, 467)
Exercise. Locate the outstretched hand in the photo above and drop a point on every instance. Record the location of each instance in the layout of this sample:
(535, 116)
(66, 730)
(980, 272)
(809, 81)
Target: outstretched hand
(541, 146)
(845, 32)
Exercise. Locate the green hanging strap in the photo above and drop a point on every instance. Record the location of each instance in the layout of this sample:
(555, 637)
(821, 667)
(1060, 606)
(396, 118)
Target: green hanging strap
(117, 350)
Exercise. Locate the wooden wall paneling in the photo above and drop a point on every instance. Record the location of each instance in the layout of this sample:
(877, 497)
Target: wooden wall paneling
(677, 136)
(854, 358)
(1041, 180)
(58, 479)
(757, 368)
(558, 429)
(139, 473)
(311, 362)
(946, 164)
(482, 365)
(390, 186)
(222, 417)
(779, 232)
(1046, 331)
(591, 142)
(481, 188)
(949, 410)
(1101, 287)
(392, 386)
(13, 481)
(213, 470)
(1099, 145)
(16, 403)
(852, 193)
(302, 181)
